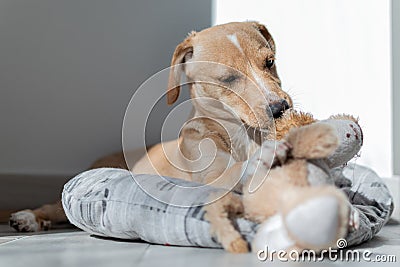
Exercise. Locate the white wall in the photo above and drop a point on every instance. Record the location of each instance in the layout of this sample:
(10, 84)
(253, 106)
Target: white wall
(68, 69)
(333, 56)
(396, 83)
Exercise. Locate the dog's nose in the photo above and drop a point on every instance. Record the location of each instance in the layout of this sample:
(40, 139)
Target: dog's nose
(277, 108)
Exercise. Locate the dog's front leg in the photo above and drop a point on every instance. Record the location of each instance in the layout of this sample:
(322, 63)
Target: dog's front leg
(220, 214)
(228, 178)
(270, 154)
(225, 174)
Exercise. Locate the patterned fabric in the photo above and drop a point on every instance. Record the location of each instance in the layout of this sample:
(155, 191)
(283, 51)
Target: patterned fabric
(368, 195)
(108, 202)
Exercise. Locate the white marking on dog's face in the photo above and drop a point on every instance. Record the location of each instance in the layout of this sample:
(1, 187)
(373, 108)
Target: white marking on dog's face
(268, 93)
(233, 38)
(270, 96)
(259, 81)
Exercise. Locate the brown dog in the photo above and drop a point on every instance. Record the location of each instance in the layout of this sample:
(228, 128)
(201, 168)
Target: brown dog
(235, 93)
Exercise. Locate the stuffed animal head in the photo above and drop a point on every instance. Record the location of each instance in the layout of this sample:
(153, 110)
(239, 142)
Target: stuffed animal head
(347, 129)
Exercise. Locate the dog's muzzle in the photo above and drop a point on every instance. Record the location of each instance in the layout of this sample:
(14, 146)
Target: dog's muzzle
(278, 108)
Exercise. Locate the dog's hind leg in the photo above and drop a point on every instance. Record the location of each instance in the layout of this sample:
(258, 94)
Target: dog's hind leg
(42, 218)
(38, 219)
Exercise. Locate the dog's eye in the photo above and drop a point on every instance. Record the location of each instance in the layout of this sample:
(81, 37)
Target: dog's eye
(229, 79)
(269, 63)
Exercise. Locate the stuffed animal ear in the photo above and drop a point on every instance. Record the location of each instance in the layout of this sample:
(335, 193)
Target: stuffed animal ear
(183, 53)
(265, 33)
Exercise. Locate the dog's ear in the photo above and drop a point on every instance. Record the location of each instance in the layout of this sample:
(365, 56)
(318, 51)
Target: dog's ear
(265, 33)
(183, 52)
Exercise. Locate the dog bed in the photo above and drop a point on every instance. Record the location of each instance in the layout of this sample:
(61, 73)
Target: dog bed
(110, 203)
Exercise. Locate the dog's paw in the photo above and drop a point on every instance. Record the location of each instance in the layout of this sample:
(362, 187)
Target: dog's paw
(238, 246)
(281, 152)
(267, 156)
(26, 221)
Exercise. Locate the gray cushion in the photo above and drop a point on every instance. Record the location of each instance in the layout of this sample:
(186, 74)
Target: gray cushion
(110, 203)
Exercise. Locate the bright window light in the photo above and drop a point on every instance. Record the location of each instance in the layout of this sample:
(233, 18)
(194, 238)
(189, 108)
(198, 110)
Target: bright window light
(333, 56)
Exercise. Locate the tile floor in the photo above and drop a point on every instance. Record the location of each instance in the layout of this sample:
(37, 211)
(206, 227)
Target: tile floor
(70, 247)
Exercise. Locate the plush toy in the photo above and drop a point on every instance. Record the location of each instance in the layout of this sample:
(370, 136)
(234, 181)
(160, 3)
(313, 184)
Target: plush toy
(294, 184)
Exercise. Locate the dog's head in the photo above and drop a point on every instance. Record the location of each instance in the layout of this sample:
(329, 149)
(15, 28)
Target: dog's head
(245, 78)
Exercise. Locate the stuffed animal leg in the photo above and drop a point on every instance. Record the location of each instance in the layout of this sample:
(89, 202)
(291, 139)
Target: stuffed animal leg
(308, 218)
